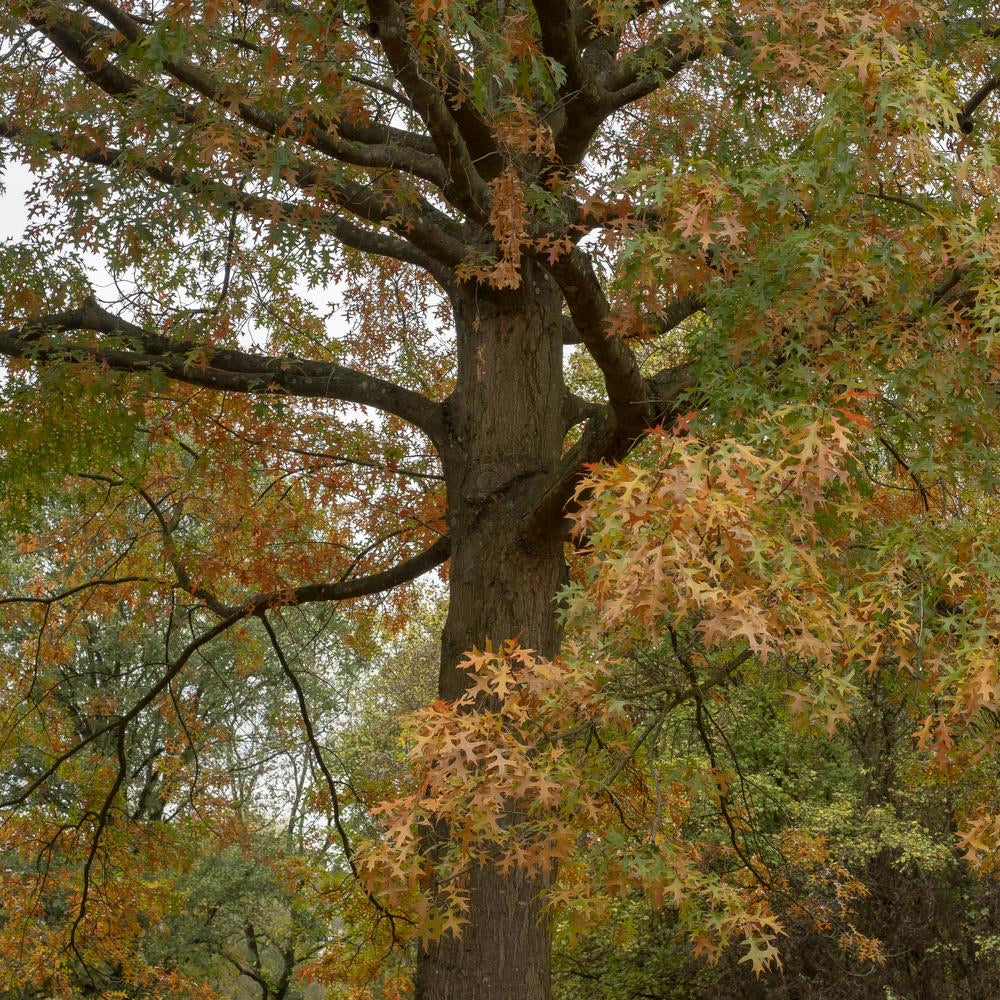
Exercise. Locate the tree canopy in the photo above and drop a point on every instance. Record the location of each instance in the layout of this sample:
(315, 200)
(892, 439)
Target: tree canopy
(664, 333)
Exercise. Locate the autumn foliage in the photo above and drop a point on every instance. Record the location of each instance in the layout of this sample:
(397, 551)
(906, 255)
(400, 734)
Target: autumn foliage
(665, 335)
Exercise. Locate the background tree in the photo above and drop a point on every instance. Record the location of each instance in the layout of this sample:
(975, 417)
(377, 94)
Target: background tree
(783, 210)
(235, 862)
(873, 896)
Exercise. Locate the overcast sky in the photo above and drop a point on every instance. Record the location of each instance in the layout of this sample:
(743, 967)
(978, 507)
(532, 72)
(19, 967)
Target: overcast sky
(12, 212)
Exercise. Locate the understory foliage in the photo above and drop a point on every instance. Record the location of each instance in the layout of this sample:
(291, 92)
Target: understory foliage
(275, 250)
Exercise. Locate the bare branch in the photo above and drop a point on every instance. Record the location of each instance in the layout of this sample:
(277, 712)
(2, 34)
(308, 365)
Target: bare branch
(331, 785)
(62, 595)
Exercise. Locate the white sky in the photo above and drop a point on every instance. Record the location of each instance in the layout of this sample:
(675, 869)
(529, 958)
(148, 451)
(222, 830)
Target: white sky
(13, 215)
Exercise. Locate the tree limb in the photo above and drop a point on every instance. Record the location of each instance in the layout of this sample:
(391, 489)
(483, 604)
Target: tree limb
(215, 368)
(580, 98)
(603, 440)
(965, 122)
(631, 78)
(172, 670)
(361, 586)
(466, 186)
(223, 196)
(669, 319)
(589, 311)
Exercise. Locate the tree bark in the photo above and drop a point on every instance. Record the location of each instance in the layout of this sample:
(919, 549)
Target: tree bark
(505, 431)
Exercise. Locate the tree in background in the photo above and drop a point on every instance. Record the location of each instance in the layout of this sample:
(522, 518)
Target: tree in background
(859, 841)
(770, 229)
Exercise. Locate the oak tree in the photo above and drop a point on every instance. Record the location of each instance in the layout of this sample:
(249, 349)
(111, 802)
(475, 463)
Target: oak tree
(765, 227)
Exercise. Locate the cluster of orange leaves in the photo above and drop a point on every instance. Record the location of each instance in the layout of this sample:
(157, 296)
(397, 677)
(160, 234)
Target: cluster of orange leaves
(771, 548)
(513, 775)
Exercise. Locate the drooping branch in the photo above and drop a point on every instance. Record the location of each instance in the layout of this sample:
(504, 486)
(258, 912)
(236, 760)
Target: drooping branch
(343, 590)
(171, 670)
(361, 144)
(131, 348)
(100, 824)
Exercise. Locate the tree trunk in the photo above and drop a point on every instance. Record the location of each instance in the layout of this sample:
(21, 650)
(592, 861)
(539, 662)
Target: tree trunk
(506, 429)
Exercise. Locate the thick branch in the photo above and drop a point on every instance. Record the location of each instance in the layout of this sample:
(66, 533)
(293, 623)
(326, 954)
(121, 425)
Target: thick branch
(464, 142)
(466, 187)
(590, 311)
(424, 225)
(225, 369)
(345, 589)
(602, 440)
(559, 39)
(76, 36)
(399, 154)
(596, 85)
(568, 36)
